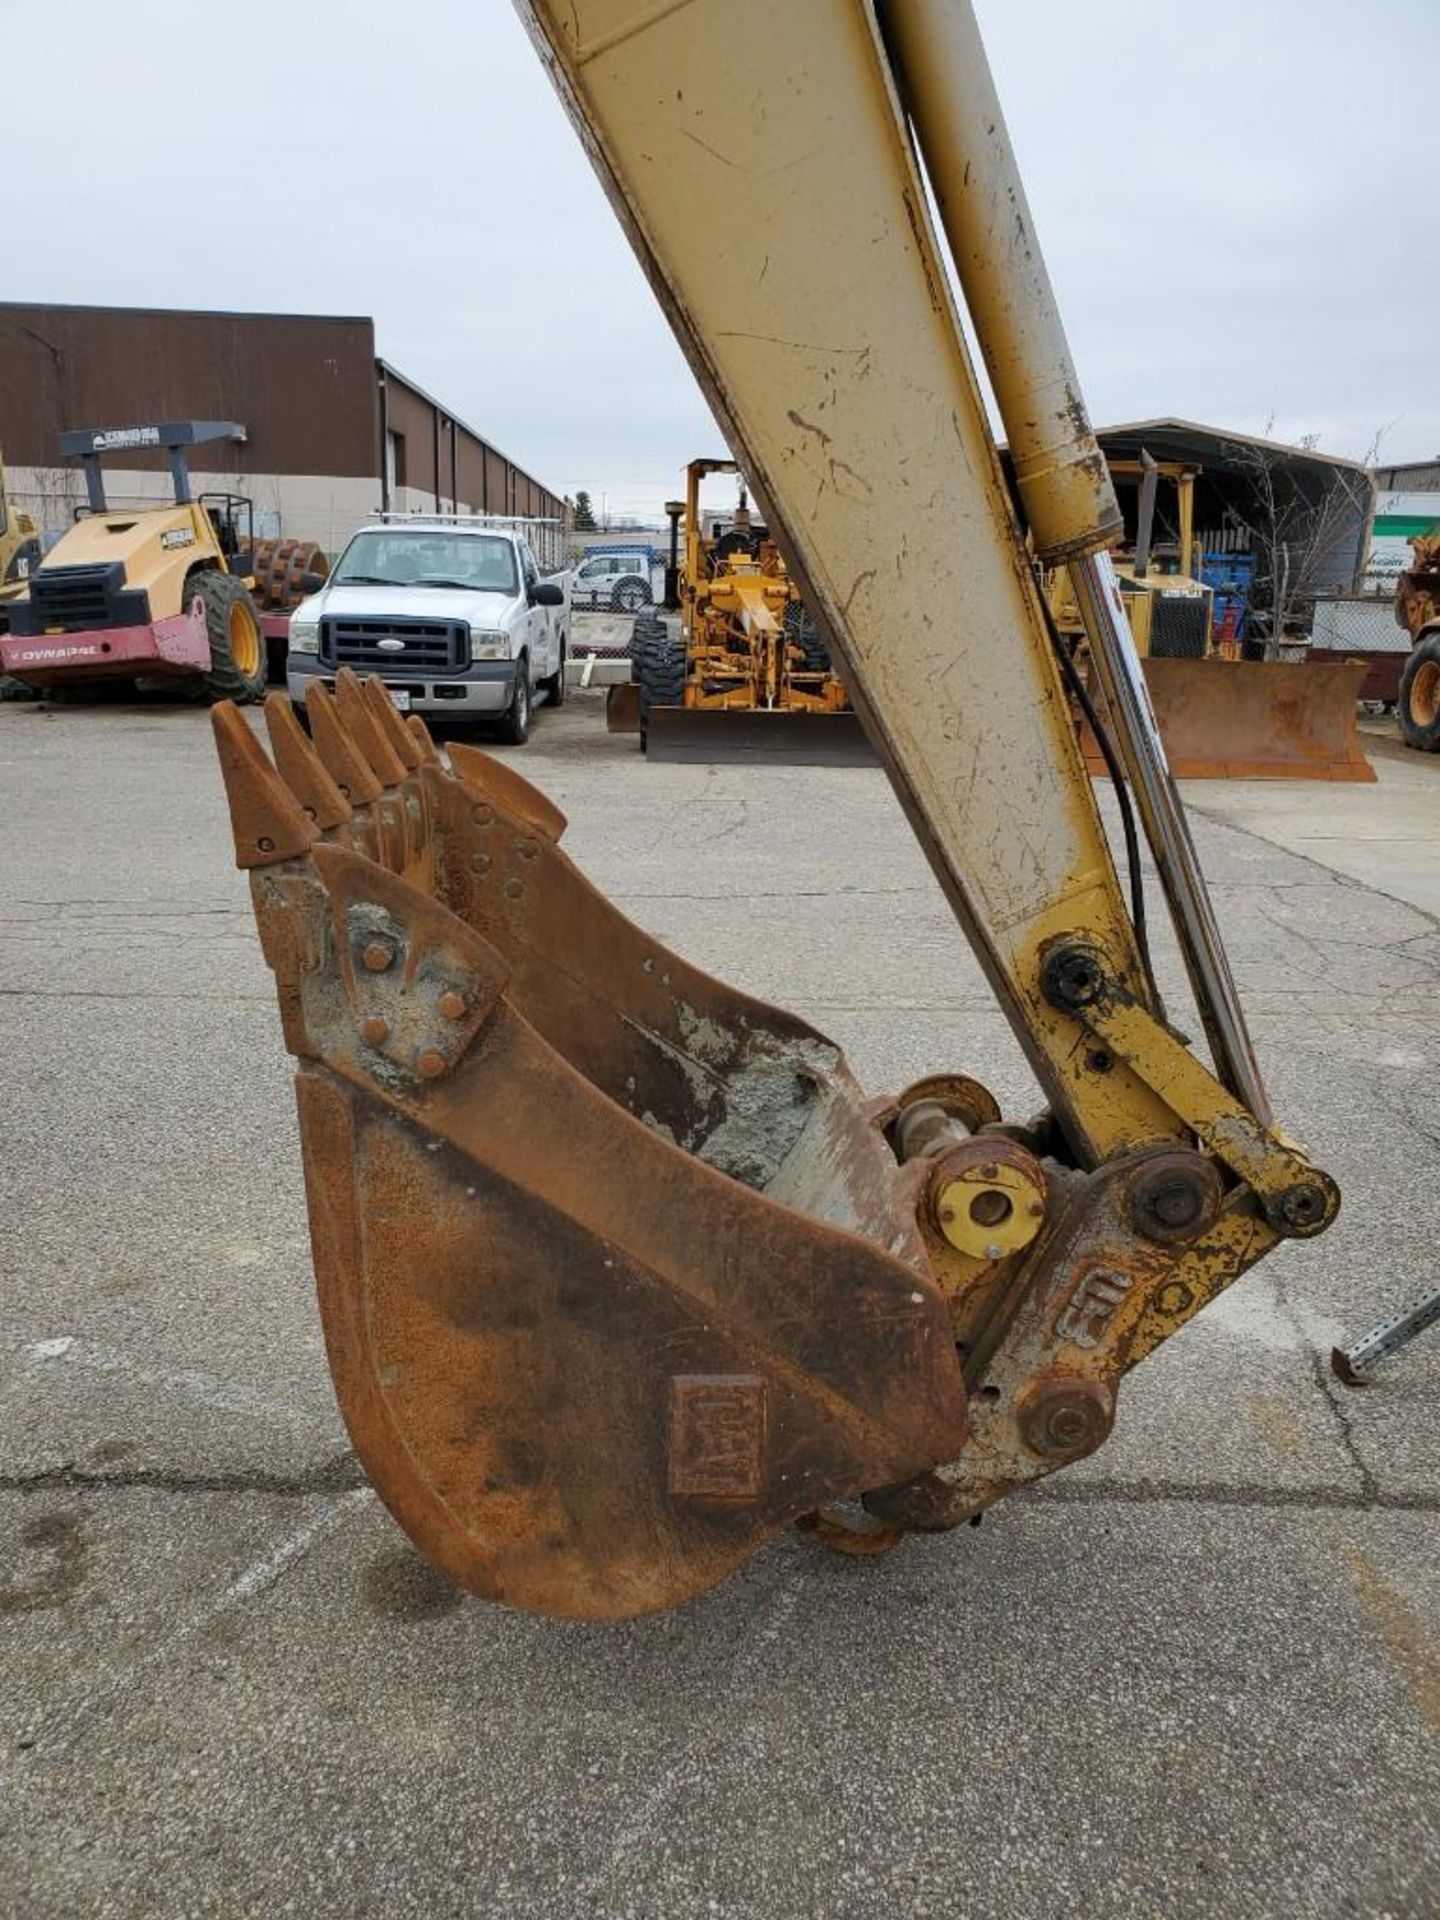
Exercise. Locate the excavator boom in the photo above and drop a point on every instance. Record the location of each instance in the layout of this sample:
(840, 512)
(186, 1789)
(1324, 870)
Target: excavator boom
(619, 1270)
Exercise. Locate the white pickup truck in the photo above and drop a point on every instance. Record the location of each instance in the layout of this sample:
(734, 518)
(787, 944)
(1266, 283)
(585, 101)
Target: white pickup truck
(451, 613)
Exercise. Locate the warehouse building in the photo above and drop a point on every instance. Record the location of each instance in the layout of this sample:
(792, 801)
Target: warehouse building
(333, 433)
(1407, 507)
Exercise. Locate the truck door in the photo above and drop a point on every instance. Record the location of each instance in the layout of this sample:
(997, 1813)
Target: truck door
(539, 621)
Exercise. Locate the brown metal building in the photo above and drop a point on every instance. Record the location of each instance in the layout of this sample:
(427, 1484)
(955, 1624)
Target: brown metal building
(333, 433)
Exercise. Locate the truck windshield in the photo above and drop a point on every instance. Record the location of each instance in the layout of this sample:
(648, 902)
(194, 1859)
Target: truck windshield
(405, 558)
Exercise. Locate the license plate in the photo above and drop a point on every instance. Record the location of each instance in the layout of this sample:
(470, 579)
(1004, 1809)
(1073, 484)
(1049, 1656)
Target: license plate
(401, 697)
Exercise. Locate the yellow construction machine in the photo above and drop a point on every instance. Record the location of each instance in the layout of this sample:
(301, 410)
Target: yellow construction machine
(152, 593)
(1220, 716)
(620, 1270)
(1417, 609)
(748, 675)
(19, 548)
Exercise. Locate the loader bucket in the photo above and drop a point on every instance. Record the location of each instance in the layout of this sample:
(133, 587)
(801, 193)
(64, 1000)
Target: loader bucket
(618, 1270)
(782, 736)
(1256, 719)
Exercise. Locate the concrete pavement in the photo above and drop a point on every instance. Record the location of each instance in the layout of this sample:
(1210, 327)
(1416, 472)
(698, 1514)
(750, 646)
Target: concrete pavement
(1198, 1675)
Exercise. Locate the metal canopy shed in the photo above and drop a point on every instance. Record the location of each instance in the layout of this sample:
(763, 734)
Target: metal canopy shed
(1235, 470)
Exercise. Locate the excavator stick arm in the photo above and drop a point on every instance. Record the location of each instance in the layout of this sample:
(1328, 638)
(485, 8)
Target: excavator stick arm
(848, 397)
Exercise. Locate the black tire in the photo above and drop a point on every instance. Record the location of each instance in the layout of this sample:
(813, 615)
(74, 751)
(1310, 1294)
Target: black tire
(1418, 708)
(237, 645)
(660, 670)
(554, 683)
(514, 728)
(629, 596)
(801, 631)
(646, 632)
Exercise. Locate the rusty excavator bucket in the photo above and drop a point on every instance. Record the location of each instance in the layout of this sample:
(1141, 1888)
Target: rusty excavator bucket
(618, 1270)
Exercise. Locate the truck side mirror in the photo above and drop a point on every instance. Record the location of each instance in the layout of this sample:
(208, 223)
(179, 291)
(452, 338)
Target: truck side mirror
(546, 594)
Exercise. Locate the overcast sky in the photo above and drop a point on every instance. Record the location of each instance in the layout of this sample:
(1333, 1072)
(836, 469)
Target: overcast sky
(1251, 240)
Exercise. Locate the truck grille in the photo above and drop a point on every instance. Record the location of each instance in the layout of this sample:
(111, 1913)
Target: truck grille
(1180, 628)
(426, 646)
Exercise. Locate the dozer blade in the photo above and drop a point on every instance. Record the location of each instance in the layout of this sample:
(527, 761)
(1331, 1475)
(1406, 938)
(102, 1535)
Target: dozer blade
(617, 1271)
(780, 736)
(1256, 719)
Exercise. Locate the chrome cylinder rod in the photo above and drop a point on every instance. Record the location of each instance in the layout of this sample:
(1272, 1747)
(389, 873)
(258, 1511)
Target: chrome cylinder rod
(1142, 752)
(945, 84)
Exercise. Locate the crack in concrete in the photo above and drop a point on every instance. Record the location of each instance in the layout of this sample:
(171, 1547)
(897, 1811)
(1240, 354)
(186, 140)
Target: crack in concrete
(1209, 1494)
(97, 993)
(782, 893)
(1332, 874)
(342, 1473)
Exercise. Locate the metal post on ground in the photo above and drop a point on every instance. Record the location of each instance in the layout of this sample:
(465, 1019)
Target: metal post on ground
(1351, 1364)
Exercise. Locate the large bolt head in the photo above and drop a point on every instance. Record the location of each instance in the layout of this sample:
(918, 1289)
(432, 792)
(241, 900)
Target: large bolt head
(1175, 1196)
(1303, 1209)
(1065, 1419)
(1073, 977)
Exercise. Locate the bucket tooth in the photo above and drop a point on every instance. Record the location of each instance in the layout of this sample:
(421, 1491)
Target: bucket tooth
(301, 767)
(419, 982)
(364, 729)
(269, 823)
(486, 775)
(401, 741)
(347, 766)
(420, 734)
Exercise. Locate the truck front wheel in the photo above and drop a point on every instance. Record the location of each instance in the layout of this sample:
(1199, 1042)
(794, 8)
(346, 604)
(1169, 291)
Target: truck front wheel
(514, 728)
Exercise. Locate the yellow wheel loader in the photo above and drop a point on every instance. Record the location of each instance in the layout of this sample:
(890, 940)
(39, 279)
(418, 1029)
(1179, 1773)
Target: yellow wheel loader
(748, 675)
(1221, 717)
(149, 593)
(1417, 609)
(620, 1270)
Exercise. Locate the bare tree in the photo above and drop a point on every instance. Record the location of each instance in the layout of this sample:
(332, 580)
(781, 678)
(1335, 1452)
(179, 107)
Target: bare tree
(1299, 514)
(51, 498)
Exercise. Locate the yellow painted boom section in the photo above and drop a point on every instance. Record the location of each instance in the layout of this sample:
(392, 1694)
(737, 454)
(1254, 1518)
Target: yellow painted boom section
(757, 156)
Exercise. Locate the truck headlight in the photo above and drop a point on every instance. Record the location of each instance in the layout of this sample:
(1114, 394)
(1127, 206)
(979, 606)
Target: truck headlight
(304, 636)
(485, 644)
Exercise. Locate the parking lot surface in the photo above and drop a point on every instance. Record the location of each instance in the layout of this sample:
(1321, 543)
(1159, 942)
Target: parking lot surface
(1197, 1675)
